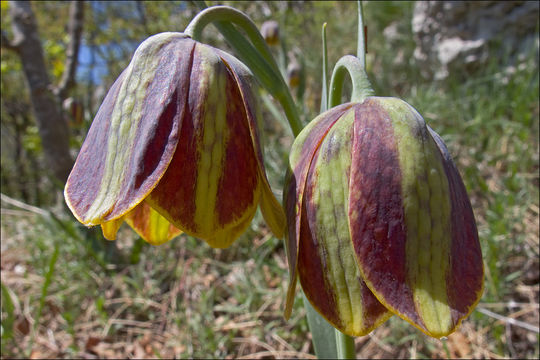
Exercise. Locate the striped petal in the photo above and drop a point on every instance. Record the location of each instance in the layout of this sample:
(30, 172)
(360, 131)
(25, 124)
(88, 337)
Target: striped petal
(146, 222)
(110, 228)
(464, 282)
(403, 216)
(212, 187)
(327, 266)
(150, 225)
(300, 158)
(271, 209)
(135, 133)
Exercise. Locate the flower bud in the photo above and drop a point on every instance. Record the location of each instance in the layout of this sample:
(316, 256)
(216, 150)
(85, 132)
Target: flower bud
(74, 110)
(270, 32)
(293, 74)
(379, 221)
(174, 147)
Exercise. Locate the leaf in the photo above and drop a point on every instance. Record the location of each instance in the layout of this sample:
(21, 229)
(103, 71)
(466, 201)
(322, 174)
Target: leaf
(323, 337)
(9, 308)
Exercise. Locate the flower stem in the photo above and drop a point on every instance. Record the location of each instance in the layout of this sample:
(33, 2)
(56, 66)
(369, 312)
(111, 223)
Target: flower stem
(254, 53)
(222, 13)
(356, 67)
(361, 87)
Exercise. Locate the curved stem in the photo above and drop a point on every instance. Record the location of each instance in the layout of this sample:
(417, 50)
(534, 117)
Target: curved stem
(256, 54)
(360, 82)
(227, 13)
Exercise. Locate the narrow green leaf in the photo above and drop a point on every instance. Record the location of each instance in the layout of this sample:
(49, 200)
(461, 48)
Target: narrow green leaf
(9, 308)
(345, 346)
(323, 337)
(44, 291)
(324, 94)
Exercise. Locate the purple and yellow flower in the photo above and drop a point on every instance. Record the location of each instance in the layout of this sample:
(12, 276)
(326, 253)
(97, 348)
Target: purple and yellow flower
(175, 148)
(380, 222)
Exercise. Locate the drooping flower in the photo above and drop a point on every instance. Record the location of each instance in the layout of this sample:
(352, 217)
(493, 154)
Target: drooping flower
(293, 74)
(379, 221)
(270, 32)
(175, 147)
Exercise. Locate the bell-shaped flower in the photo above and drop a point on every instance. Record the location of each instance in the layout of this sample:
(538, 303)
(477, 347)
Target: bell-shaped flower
(379, 221)
(270, 32)
(175, 148)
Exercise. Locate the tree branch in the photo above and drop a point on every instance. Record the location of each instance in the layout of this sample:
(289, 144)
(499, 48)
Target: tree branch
(8, 44)
(53, 129)
(75, 27)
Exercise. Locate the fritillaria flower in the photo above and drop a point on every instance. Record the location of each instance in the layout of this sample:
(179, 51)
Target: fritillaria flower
(175, 148)
(270, 32)
(380, 222)
(293, 74)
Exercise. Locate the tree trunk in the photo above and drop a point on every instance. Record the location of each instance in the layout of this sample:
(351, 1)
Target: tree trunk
(53, 129)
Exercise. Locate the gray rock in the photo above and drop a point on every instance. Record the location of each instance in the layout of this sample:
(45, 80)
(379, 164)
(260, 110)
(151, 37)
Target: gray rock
(463, 35)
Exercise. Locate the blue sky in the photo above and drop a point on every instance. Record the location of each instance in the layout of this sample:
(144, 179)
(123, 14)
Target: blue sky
(128, 9)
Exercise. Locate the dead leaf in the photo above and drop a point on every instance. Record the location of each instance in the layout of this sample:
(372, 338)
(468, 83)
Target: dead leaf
(91, 342)
(22, 325)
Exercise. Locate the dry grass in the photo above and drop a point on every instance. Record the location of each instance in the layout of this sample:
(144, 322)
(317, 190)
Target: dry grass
(213, 305)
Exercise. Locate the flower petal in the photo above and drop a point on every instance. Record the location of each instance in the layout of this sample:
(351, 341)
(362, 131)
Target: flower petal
(212, 184)
(135, 132)
(465, 280)
(302, 152)
(401, 217)
(270, 207)
(110, 228)
(150, 225)
(225, 238)
(327, 266)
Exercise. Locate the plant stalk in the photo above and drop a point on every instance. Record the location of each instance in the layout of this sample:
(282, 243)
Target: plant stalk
(361, 87)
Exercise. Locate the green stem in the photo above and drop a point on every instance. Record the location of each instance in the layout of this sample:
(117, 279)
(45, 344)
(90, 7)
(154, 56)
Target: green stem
(345, 346)
(355, 67)
(256, 55)
(227, 13)
(361, 88)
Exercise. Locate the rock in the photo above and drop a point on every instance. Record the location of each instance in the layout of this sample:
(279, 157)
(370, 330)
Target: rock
(464, 35)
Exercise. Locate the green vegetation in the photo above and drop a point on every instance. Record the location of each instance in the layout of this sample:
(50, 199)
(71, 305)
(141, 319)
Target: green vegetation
(67, 292)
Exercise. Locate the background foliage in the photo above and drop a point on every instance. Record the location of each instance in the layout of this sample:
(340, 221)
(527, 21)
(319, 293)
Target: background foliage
(66, 292)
